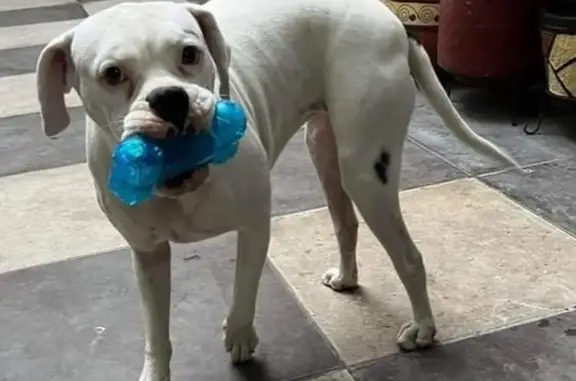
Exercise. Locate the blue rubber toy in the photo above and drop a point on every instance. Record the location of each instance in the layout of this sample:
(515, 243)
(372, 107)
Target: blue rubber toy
(141, 163)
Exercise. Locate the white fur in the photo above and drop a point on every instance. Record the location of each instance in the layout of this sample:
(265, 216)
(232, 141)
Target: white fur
(283, 59)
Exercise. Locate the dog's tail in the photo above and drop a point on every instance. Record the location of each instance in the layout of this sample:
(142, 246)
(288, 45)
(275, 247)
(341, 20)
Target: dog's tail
(423, 72)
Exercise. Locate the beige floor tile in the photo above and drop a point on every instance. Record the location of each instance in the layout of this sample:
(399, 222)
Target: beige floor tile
(33, 34)
(49, 216)
(18, 96)
(490, 263)
(335, 376)
(97, 6)
(8, 5)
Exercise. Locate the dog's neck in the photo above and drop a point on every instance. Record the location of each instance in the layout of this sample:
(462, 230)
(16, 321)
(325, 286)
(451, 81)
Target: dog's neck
(99, 151)
(275, 55)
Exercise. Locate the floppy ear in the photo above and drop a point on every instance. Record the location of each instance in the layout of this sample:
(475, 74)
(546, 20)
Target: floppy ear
(54, 77)
(219, 50)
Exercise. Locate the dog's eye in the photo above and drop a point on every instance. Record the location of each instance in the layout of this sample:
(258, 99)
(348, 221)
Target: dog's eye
(190, 55)
(114, 76)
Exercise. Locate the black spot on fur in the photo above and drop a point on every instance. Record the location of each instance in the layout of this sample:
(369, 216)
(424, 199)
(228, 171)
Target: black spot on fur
(381, 167)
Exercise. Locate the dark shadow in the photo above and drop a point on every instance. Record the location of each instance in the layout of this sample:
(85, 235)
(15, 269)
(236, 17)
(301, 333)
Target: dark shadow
(356, 291)
(488, 105)
(255, 370)
(517, 109)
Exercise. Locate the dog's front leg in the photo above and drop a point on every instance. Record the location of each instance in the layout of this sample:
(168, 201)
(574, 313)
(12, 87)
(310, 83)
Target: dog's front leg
(153, 274)
(240, 337)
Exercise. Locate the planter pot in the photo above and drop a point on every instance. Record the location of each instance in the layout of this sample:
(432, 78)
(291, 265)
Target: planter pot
(558, 28)
(421, 18)
(491, 40)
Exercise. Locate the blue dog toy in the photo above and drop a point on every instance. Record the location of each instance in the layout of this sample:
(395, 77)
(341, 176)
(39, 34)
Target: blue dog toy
(140, 163)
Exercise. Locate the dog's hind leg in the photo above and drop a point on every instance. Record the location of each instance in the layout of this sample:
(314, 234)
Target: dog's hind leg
(322, 147)
(370, 122)
(374, 189)
(380, 208)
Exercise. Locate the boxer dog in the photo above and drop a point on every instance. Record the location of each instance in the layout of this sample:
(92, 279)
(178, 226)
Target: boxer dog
(347, 70)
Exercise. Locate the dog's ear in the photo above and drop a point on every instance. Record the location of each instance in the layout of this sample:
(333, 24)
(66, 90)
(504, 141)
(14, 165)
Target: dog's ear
(54, 77)
(218, 47)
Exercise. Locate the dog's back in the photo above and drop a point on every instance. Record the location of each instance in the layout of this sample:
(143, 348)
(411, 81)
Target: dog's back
(294, 46)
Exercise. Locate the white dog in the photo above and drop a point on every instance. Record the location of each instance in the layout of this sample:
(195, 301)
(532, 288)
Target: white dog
(346, 69)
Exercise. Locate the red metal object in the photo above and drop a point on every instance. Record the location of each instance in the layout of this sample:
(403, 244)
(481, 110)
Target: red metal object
(490, 39)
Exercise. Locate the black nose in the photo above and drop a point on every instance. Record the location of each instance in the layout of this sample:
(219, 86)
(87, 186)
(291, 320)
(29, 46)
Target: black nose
(171, 104)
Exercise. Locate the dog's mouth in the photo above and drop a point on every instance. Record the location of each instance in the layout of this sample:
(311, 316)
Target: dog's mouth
(160, 129)
(178, 181)
(142, 121)
(190, 128)
(186, 182)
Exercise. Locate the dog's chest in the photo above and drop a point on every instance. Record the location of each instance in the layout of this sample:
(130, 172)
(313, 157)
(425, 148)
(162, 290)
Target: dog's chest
(185, 228)
(193, 219)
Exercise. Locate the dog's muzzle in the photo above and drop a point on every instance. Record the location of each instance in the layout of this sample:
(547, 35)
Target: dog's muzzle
(185, 183)
(170, 111)
(171, 105)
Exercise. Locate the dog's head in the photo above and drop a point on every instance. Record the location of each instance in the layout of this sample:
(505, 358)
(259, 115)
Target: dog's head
(150, 68)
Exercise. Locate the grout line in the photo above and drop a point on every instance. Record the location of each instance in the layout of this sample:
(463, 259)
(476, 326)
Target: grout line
(438, 155)
(299, 213)
(313, 376)
(324, 207)
(469, 337)
(529, 210)
(63, 260)
(503, 327)
(281, 277)
(25, 5)
(526, 166)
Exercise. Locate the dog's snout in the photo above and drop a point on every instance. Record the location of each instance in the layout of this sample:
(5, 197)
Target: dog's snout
(170, 104)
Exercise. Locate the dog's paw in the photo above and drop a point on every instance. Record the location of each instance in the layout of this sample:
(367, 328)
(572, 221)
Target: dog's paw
(413, 335)
(240, 342)
(339, 282)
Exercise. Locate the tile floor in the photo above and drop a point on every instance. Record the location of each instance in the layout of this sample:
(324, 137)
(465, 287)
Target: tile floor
(499, 247)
